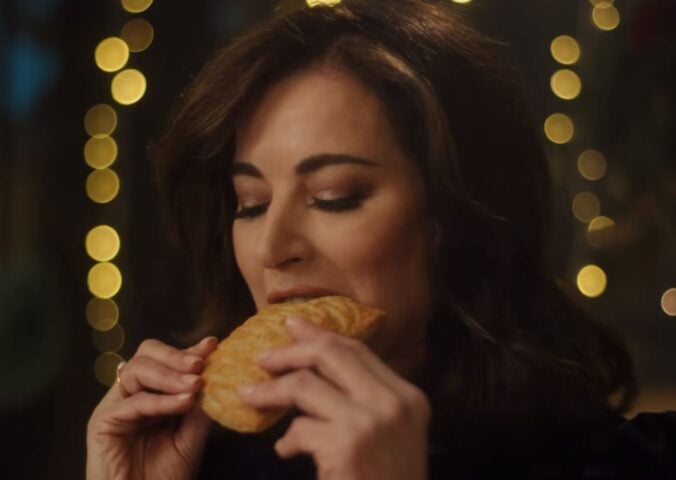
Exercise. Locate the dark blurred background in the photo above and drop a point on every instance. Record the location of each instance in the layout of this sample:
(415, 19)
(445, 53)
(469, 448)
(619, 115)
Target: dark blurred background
(86, 267)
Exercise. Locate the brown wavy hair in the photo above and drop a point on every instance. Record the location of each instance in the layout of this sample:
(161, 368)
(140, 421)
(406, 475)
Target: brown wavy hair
(509, 351)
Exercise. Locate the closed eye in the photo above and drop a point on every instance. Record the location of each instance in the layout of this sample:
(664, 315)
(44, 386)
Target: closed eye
(337, 205)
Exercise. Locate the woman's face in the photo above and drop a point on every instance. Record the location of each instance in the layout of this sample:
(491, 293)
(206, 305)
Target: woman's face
(328, 199)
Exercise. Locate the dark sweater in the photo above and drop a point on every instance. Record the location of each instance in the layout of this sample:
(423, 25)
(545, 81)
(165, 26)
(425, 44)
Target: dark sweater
(643, 448)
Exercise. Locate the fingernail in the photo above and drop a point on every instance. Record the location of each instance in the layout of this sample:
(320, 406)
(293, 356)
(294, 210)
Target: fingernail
(192, 360)
(264, 355)
(183, 396)
(294, 321)
(190, 379)
(246, 389)
(211, 339)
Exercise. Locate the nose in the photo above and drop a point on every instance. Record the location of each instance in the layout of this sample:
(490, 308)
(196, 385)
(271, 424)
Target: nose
(283, 240)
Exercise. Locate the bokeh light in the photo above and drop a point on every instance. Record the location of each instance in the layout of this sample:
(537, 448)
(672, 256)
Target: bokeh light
(592, 164)
(100, 120)
(559, 128)
(111, 54)
(128, 86)
(138, 34)
(599, 231)
(461, 1)
(668, 302)
(586, 206)
(109, 341)
(591, 281)
(104, 280)
(100, 152)
(102, 313)
(565, 49)
(136, 6)
(105, 366)
(102, 243)
(605, 16)
(102, 185)
(318, 3)
(600, 223)
(566, 84)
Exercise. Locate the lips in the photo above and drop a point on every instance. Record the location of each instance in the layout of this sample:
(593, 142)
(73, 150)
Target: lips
(277, 296)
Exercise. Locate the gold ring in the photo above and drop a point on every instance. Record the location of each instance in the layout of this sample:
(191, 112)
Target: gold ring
(118, 381)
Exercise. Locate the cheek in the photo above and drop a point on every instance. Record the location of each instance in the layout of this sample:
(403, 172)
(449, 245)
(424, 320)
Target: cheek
(238, 247)
(385, 255)
(385, 265)
(244, 254)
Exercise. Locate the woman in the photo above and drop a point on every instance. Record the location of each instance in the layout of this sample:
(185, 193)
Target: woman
(377, 150)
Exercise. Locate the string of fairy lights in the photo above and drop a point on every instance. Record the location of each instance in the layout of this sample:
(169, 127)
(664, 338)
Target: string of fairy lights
(591, 280)
(559, 127)
(102, 242)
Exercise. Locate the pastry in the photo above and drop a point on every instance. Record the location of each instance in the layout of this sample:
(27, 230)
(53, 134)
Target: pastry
(234, 364)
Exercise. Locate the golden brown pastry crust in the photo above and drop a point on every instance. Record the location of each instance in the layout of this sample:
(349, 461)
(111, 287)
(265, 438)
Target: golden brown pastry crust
(234, 361)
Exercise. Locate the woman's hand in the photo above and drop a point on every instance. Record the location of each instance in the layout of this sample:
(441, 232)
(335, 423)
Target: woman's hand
(362, 420)
(135, 431)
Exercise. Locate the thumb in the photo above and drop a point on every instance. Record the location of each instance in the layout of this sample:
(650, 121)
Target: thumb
(192, 433)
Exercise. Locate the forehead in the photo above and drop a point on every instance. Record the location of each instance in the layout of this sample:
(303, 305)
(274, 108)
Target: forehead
(315, 110)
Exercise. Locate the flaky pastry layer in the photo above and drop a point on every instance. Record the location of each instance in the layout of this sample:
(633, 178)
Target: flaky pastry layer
(233, 363)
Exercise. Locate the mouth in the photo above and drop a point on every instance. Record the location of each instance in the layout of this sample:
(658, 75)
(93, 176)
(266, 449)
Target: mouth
(297, 299)
(298, 294)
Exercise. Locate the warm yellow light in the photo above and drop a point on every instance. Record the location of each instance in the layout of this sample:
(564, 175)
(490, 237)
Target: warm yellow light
(111, 54)
(668, 302)
(102, 313)
(100, 120)
(565, 49)
(592, 164)
(566, 84)
(319, 3)
(104, 280)
(138, 34)
(109, 341)
(597, 2)
(101, 152)
(559, 128)
(102, 185)
(102, 243)
(591, 281)
(136, 6)
(605, 16)
(586, 206)
(461, 1)
(128, 86)
(105, 366)
(599, 231)
(600, 223)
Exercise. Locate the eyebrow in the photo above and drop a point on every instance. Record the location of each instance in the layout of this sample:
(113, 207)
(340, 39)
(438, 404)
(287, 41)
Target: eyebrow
(307, 165)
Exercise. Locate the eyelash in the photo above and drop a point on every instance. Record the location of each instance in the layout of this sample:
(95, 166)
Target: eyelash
(338, 205)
